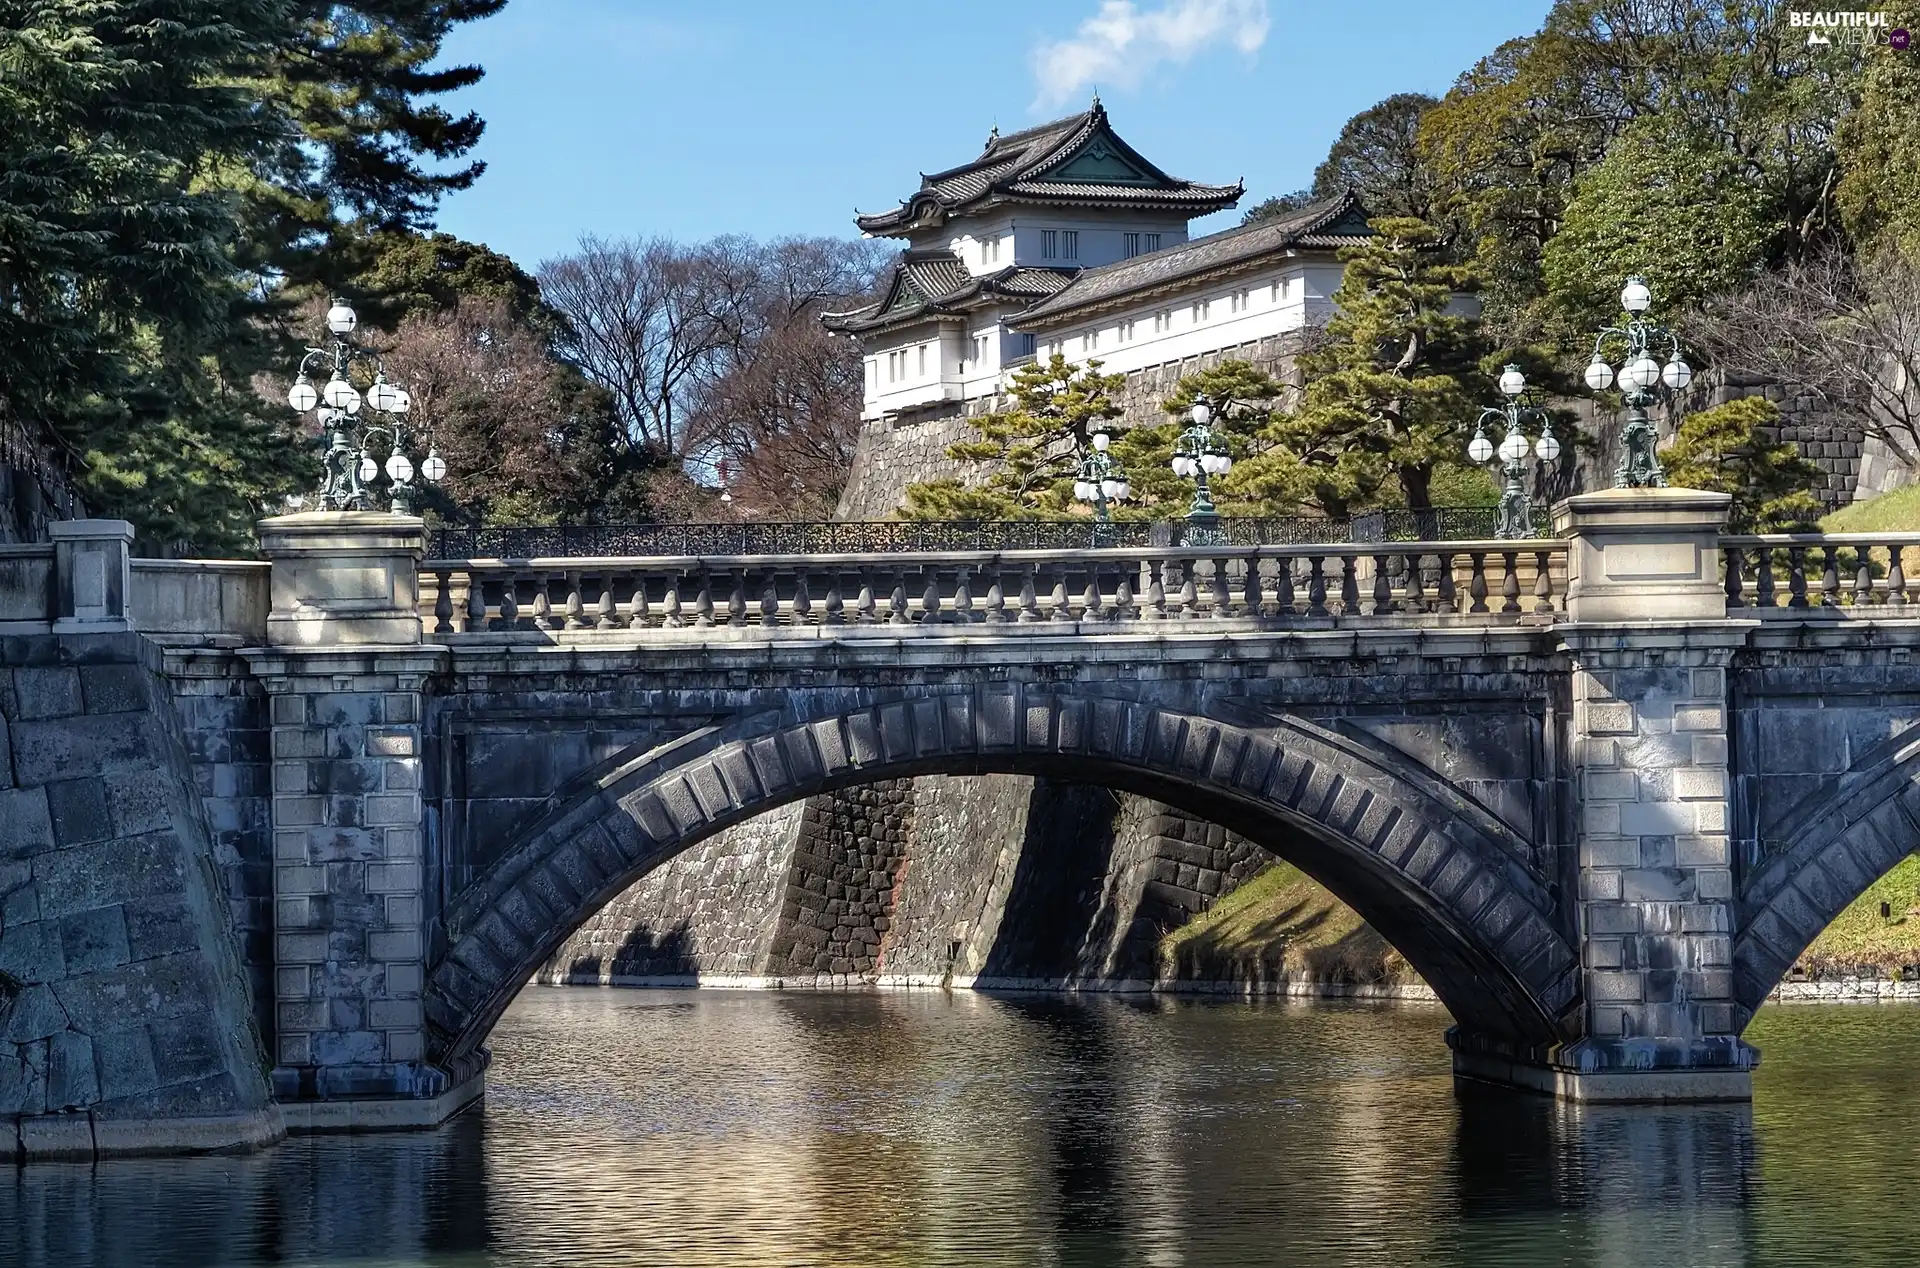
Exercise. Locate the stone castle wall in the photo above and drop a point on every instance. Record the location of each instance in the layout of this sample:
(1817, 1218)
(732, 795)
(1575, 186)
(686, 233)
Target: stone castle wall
(123, 1001)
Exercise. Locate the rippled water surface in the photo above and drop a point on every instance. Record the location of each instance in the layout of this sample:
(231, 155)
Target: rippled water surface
(657, 1127)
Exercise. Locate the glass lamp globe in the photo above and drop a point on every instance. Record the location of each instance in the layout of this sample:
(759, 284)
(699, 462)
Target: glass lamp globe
(1514, 447)
(1210, 463)
(1480, 449)
(383, 395)
(1676, 374)
(1641, 373)
(337, 392)
(1101, 440)
(1122, 490)
(435, 467)
(1083, 491)
(399, 467)
(1182, 466)
(341, 319)
(1224, 465)
(1110, 489)
(1200, 414)
(1599, 375)
(1634, 296)
(369, 470)
(1512, 382)
(302, 395)
(1547, 447)
(402, 401)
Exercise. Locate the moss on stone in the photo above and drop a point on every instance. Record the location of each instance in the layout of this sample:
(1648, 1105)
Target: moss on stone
(1281, 924)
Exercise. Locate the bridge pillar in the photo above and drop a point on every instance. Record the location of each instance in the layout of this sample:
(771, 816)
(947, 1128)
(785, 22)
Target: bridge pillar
(1650, 643)
(345, 670)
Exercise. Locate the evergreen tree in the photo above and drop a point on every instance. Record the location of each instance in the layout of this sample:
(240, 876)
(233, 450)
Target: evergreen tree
(1725, 449)
(1030, 452)
(1242, 397)
(1387, 395)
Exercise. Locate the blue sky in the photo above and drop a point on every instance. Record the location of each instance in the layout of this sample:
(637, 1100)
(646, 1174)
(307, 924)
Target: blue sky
(631, 118)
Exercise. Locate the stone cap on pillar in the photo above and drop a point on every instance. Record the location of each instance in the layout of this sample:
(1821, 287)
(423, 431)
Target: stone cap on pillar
(93, 574)
(1638, 555)
(344, 578)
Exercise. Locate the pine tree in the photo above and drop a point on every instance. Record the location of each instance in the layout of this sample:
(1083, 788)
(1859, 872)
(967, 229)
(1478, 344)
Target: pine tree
(1724, 449)
(1387, 395)
(1030, 452)
(1242, 396)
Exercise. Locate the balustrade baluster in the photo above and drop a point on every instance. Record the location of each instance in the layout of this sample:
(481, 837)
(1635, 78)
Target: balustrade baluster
(1863, 579)
(1415, 589)
(1123, 608)
(1830, 579)
(671, 616)
(1317, 586)
(476, 603)
(637, 615)
(1156, 590)
(865, 609)
(1061, 609)
(1029, 598)
(897, 602)
(1763, 578)
(1446, 594)
(1283, 586)
(1222, 603)
(603, 606)
(1189, 591)
(1510, 583)
(542, 601)
(509, 602)
(703, 600)
(737, 598)
(443, 601)
(1542, 581)
(1251, 596)
(963, 598)
(802, 598)
(930, 596)
(1734, 584)
(997, 598)
(1477, 586)
(1896, 576)
(1349, 585)
(1796, 576)
(770, 600)
(576, 603)
(1382, 587)
(836, 604)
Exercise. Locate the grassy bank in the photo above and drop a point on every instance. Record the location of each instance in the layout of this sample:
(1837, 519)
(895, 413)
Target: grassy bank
(1281, 924)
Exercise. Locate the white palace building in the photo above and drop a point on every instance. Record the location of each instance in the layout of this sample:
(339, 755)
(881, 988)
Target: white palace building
(1064, 238)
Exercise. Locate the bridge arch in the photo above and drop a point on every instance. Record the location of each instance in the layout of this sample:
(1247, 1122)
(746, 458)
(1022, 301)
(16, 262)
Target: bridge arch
(1451, 886)
(1841, 844)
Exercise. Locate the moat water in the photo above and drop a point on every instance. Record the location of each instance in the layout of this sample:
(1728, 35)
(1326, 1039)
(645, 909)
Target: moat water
(736, 1128)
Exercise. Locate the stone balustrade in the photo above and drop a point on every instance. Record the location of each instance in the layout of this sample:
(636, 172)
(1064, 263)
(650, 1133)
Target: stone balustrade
(1481, 582)
(1854, 572)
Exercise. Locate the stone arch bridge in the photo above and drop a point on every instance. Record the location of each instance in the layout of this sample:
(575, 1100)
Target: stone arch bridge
(1600, 790)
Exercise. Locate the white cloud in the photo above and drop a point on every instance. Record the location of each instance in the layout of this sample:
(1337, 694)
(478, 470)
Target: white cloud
(1121, 45)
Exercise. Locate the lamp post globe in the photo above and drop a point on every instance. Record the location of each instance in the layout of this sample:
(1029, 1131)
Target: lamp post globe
(1635, 296)
(1641, 376)
(1512, 382)
(1599, 375)
(341, 319)
(350, 467)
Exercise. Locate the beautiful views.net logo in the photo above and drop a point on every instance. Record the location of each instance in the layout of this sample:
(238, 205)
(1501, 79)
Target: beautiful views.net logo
(1848, 26)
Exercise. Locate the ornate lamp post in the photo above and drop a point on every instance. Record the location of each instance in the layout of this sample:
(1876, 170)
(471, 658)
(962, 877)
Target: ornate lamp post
(1516, 507)
(1101, 479)
(351, 468)
(1197, 454)
(1639, 375)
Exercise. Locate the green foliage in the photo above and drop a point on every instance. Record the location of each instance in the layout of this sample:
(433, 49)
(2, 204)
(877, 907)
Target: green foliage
(1277, 205)
(1029, 452)
(414, 274)
(1377, 156)
(1243, 397)
(1667, 204)
(1879, 192)
(1387, 395)
(1723, 449)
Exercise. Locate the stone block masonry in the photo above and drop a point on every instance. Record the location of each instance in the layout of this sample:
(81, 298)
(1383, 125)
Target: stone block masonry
(125, 1019)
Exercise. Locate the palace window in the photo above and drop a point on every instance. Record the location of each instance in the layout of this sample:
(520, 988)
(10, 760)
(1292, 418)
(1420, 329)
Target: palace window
(1132, 245)
(1070, 244)
(923, 358)
(1163, 321)
(996, 248)
(1275, 297)
(1238, 301)
(1025, 344)
(1202, 310)
(1126, 332)
(1049, 244)
(1153, 242)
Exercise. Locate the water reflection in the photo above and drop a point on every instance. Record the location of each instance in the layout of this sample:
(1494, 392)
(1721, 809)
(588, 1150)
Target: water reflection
(659, 1127)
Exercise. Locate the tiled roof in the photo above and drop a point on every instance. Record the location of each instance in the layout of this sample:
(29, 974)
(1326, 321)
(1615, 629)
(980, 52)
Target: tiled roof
(928, 283)
(1025, 166)
(1331, 223)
